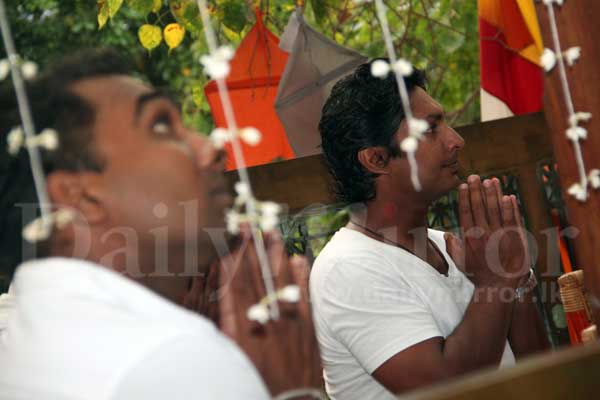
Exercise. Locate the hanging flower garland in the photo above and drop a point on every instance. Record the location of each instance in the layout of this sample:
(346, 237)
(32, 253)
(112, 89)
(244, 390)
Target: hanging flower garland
(24, 137)
(575, 133)
(400, 68)
(259, 215)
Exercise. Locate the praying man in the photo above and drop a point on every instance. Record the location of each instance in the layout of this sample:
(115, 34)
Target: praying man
(95, 308)
(396, 305)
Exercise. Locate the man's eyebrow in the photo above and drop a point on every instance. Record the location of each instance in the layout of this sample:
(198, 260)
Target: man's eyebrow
(143, 99)
(436, 117)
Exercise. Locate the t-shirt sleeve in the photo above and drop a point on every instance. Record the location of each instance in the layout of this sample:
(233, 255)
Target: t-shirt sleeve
(191, 367)
(374, 314)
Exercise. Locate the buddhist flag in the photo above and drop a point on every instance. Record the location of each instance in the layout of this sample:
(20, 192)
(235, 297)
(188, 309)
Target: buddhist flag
(256, 70)
(510, 50)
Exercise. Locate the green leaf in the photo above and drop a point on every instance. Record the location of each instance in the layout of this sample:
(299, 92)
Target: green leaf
(233, 15)
(156, 6)
(319, 8)
(103, 13)
(187, 14)
(150, 36)
(142, 6)
(114, 6)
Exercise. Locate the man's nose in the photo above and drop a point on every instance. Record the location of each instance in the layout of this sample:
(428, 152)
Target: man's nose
(454, 141)
(206, 154)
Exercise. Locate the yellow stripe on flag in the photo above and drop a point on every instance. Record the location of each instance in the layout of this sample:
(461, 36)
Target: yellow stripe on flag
(534, 52)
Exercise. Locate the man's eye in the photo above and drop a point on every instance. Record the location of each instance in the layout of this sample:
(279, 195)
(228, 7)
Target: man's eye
(162, 126)
(432, 128)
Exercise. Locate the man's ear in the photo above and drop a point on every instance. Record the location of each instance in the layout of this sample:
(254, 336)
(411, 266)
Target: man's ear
(375, 159)
(75, 190)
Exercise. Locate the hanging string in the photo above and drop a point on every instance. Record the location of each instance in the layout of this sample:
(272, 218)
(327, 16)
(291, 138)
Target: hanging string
(574, 133)
(241, 163)
(25, 112)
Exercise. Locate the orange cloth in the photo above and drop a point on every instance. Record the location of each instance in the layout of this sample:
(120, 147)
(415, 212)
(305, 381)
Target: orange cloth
(510, 50)
(256, 70)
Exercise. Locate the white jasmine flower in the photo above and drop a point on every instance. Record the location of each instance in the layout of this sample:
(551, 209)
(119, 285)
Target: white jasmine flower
(409, 144)
(594, 178)
(4, 69)
(579, 116)
(251, 136)
(578, 191)
(47, 139)
(258, 313)
(270, 208)
(403, 67)
(268, 222)
(220, 136)
(290, 294)
(549, 2)
(242, 189)
(217, 64)
(37, 230)
(380, 68)
(417, 127)
(576, 133)
(233, 220)
(29, 69)
(62, 217)
(15, 140)
(572, 55)
(548, 60)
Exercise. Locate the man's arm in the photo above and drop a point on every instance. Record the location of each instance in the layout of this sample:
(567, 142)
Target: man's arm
(527, 334)
(479, 340)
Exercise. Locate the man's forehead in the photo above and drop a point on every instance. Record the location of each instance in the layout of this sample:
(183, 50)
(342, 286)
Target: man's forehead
(423, 104)
(110, 90)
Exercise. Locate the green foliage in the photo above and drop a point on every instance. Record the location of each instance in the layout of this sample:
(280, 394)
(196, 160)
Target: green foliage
(438, 35)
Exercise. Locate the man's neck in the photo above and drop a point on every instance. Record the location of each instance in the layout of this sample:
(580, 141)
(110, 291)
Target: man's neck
(400, 221)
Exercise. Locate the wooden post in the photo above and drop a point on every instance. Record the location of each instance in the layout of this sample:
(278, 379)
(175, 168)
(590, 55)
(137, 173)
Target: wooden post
(577, 26)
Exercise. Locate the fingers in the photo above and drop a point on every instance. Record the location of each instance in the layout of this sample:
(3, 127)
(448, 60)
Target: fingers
(455, 249)
(465, 216)
(508, 214)
(493, 207)
(499, 194)
(278, 259)
(477, 205)
(300, 272)
(516, 210)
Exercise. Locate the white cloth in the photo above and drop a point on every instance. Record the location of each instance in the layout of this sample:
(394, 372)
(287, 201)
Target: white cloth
(81, 331)
(372, 300)
(7, 302)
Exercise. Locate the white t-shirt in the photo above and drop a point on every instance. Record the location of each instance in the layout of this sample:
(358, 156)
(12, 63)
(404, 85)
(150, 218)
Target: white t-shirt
(372, 300)
(6, 304)
(80, 331)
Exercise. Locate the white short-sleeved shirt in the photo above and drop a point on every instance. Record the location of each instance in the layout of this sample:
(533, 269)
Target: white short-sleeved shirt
(372, 300)
(76, 330)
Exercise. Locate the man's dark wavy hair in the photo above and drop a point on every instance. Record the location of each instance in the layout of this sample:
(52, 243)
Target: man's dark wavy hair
(53, 105)
(362, 111)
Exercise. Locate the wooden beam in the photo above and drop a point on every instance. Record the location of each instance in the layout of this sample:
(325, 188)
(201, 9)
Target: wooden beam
(577, 26)
(567, 374)
(495, 146)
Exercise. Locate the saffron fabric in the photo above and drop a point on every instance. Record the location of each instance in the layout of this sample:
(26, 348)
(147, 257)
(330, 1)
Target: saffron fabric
(510, 49)
(256, 70)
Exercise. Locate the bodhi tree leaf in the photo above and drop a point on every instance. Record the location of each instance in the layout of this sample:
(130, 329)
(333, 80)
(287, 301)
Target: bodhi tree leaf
(174, 34)
(103, 13)
(233, 15)
(187, 14)
(142, 6)
(114, 6)
(150, 36)
(156, 6)
(320, 10)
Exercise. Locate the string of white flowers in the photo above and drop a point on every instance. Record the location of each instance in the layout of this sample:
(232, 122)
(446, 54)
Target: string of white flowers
(400, 68)
(26, 117)
(575, 132)
(217, 66)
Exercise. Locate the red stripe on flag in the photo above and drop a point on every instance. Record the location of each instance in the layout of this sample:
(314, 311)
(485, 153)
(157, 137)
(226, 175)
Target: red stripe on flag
(506, 75)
